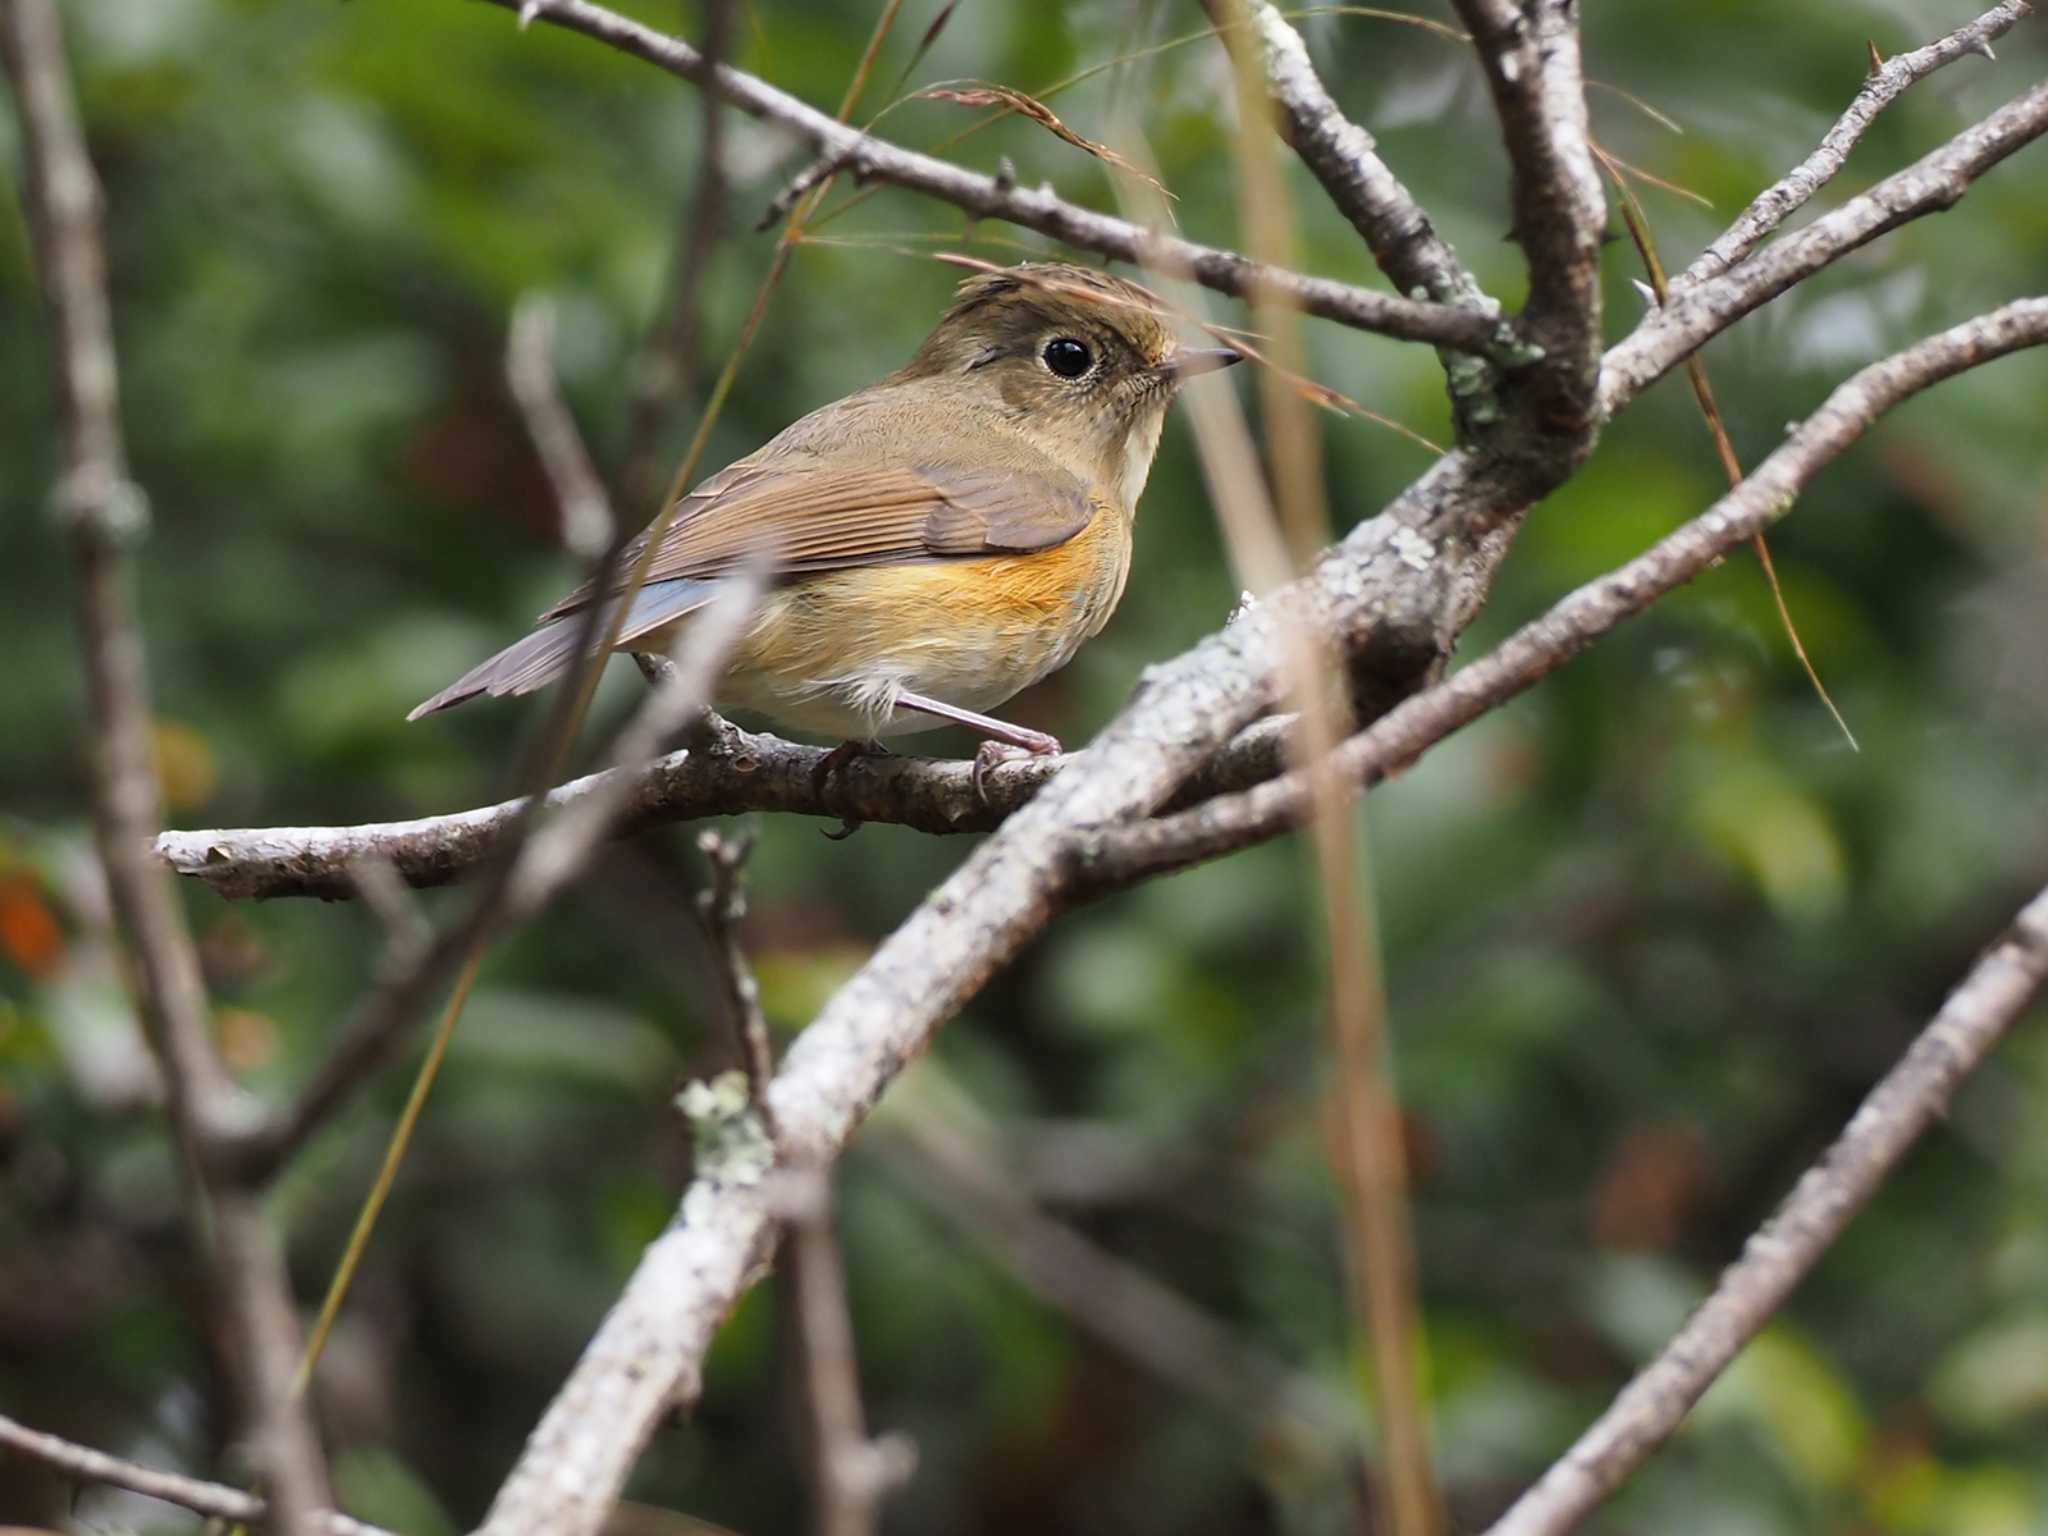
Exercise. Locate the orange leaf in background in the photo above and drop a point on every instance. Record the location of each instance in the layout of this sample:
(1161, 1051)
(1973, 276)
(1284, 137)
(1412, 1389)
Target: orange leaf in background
(29, 935)
(976, 93)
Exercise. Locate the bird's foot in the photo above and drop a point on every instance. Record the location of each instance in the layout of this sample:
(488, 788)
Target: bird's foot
(991, 753)
(834, 763)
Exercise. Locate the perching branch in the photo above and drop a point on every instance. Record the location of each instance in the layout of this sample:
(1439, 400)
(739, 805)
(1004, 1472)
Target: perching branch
(1116, 856)
(735, 772)
(1786, 196)
(103, 512)
(1778, 1256)
(214, 1500)
(871, 159)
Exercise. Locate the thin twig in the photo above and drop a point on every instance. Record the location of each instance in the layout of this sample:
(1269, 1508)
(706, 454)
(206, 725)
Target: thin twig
(585, 510)
(215, 1500)
(1038, 208)
(722, 905)
(103, 514)
(1701, 311)
(666, 371)
(780, 206)
(1778, 1256)
(561, 848)
(1731, 464)
(1786, 196)
(547, 861)
(850, 1473)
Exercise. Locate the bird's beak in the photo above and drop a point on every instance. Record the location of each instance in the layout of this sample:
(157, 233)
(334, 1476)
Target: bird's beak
(1186, 362)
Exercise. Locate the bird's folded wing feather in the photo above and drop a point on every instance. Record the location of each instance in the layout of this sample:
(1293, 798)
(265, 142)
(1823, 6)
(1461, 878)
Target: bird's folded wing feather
(806, 515)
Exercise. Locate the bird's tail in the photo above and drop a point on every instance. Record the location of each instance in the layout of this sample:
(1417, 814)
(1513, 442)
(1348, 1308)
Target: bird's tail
(549, 651)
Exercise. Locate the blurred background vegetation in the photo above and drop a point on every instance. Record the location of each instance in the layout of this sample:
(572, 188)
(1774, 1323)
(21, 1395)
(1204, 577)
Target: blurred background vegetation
(1649, 933)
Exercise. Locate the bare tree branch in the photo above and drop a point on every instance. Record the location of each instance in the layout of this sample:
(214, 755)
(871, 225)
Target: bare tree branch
(872, 159)
(1778, 1256)
(216, 1500)
(1785, 197)
(1531, 57)
(1935, 182)
(1115, 856)
(103, 512)
(734, 772)
(1345, 160)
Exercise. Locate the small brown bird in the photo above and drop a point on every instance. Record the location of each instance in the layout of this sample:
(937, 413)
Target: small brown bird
(940, 540)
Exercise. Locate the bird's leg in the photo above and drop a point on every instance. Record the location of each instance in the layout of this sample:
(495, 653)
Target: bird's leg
(1035, 742)
(1001, 741)
(834, 762)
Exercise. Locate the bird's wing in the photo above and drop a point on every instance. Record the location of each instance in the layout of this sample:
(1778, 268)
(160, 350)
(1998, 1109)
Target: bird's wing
(806, 514)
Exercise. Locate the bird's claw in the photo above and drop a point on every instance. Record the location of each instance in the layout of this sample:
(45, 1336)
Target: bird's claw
(991, 754)
(834, 762)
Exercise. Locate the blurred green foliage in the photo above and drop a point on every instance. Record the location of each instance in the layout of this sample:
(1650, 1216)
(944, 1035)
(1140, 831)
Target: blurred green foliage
(1650, 932)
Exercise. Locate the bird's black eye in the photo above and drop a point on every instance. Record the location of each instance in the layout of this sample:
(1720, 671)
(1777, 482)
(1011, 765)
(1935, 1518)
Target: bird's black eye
(1067, 357)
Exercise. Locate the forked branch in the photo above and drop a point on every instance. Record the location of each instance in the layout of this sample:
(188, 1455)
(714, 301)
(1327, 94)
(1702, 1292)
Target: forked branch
(1885, 85)
(1703, 310)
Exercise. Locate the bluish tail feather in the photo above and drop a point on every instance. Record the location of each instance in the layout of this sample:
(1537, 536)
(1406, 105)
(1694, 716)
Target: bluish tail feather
(544, 655)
